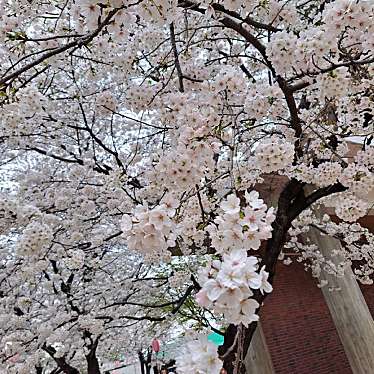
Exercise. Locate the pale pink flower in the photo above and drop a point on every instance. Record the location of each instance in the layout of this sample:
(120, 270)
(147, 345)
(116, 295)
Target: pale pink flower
(231, 205)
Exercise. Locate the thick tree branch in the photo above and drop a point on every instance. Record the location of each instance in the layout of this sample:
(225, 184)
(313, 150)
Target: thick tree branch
(60, 361)
(176, 58)
(220, 8)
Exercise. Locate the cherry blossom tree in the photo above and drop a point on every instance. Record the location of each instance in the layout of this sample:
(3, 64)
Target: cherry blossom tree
(137, 137)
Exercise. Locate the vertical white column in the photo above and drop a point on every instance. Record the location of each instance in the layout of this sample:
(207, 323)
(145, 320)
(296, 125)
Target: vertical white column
(258, 359)
(348, 310)
(347, 306)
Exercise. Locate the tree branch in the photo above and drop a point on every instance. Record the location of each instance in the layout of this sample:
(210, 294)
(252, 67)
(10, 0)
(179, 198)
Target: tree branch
(75, 43)
(176, 57)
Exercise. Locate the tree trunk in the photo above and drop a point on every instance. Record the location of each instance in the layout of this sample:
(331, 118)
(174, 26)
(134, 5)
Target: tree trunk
(67, 369)
(258, 359)
(348, 310)
(60, 361)
(229, 349)
(56, 371)
(93, 366)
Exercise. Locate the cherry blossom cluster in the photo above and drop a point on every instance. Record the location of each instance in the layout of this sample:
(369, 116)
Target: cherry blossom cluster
(274, 154)
(139, 98)
(76, 260)
(159, 11)
(358, 178)
(8, 213)
(192, 157)
(241, 227)
(106, 103)
(8, 24)
(87, 323)
(150, 231)
(21, 113)
(160, 109)
(185, 166)
(199, 356)
(35, 239)
(335, 85)
(264, 103)
(353, 203)
(349, 207)
(88, 13)
(308, 50)
(340, 15)
(228, 79)
(366, 157)
(234, 233)
(227, 286)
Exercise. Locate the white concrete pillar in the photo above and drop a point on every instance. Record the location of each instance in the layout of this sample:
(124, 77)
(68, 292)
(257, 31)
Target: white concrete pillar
(258, 359)
(348, 309)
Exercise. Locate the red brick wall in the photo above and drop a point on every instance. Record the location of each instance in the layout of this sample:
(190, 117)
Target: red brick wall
(298, 328)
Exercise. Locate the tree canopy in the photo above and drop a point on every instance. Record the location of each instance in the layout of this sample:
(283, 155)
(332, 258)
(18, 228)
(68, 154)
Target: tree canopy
(137, 139)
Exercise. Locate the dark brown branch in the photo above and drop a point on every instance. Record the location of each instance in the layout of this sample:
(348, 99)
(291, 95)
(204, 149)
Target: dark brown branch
(56, 157)
(247, 73)
(176, 58)
(315, 196)
(98, 140)
(60, 361)
(220, 8)
(249, 37)
(292, 107)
